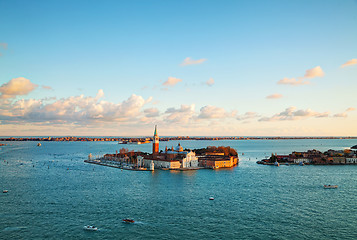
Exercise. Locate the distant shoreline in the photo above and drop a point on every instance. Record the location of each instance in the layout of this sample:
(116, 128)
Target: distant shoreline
(136, 140)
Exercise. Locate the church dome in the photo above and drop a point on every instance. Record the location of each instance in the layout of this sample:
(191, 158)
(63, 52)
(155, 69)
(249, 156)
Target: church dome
(179, 148)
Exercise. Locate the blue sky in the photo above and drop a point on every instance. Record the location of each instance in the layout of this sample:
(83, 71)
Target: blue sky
(54, 52)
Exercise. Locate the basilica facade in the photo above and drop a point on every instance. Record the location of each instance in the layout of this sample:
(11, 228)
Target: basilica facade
(174, 158)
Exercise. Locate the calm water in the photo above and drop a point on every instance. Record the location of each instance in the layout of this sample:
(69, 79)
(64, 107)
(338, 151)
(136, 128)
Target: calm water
(53, 194)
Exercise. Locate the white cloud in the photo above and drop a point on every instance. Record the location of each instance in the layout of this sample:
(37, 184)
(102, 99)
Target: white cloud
(310, 73)
(349, 63)
(46, 87)
(100, 94)
(172, 81)
(292, 114)
(211, 112)
(293, 81)
(189, 61)
(210, 82)
(17, 86)
(182, 115)
(314, 72)
(274, 96)
(344, 114)
(78, 109)
(248, 115)
(151, 112)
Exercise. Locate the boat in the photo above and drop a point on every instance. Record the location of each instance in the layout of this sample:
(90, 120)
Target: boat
(38, 144)
(276, 164)
(128, 220)
(330, 186)
(211, 198)
(90, 228)
(301, 164)
(5, 191)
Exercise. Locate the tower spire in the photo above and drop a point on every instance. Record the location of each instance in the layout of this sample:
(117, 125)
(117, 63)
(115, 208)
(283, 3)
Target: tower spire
(155, 144)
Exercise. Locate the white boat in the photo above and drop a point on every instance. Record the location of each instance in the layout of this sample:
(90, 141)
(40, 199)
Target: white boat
(4, 191)
(90, 228)
(330, 186)
(211, 198)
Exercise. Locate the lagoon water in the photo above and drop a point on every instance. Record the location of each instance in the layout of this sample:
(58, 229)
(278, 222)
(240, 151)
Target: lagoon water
(53, 194)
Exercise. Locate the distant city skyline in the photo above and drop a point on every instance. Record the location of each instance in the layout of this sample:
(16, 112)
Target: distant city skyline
(194, 68)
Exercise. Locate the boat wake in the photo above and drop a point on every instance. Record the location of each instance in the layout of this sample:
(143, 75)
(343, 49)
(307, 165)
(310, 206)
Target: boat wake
(14, 228)
(138, 222)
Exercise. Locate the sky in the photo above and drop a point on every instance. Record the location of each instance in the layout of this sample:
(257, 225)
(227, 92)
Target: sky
(194, 68)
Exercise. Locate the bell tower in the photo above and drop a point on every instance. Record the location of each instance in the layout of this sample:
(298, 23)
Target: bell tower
(155, 143)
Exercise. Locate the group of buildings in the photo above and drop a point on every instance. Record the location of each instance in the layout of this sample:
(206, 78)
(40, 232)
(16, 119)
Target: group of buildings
(173, 158)
(330, 157)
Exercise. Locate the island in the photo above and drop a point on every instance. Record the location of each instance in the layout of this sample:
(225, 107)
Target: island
(315, 157)
(176, 158)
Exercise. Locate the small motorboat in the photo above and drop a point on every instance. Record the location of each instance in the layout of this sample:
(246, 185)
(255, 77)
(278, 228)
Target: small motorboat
(211, 198)
(90, 228)
(276, 164)
(128, 220)
(38, 144)
(330, 186)
(5, 191)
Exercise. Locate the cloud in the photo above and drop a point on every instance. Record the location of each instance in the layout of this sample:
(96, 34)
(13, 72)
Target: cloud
(314, 72)
(151, 112)
(293, 81)
(100, 94)
(248, 115)
(211, 112)
(274, 96)
(46, 87)
(172, 81)
(189, 61)
(344, 114)
(292, 114)
(210, 82)
(3, 45)
(349, 63)
(77, 109)
(310, 73)
(17, 86)
(181, 115)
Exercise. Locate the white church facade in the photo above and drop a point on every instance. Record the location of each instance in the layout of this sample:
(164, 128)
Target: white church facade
(175, 158)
